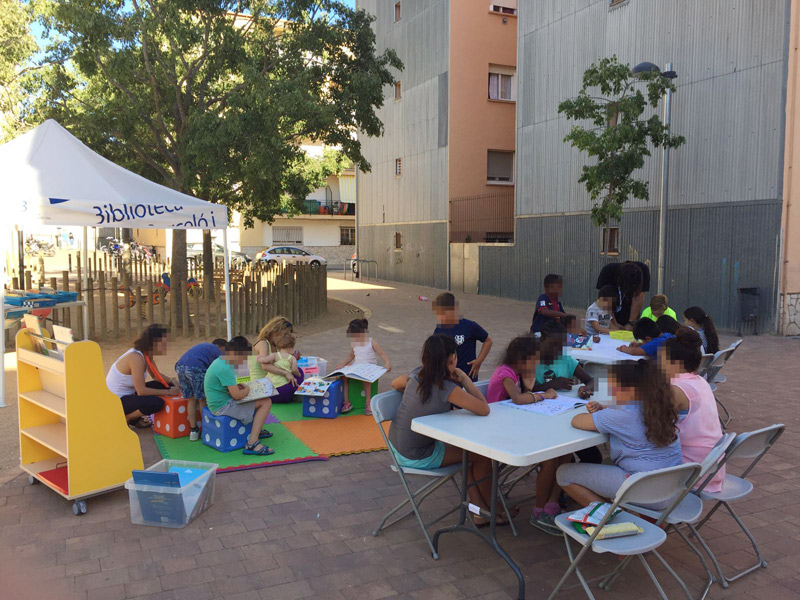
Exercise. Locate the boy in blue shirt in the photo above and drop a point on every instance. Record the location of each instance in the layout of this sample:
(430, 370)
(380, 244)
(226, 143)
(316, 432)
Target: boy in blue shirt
(191, 370)
(466, 333)
(548, 305)
(650, 339)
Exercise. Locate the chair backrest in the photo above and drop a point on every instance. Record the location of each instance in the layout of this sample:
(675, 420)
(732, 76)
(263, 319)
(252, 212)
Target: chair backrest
(653, 487)
(483, 386)
(713, 461)
(754, 444)
(720, 358)
(705, 361)
(734, 346)
(384, 406)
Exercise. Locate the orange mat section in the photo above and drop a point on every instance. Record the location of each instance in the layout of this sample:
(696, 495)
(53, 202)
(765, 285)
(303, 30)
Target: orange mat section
(342, 435)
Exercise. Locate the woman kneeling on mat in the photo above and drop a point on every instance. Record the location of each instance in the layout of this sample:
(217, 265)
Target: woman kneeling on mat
(126, 377)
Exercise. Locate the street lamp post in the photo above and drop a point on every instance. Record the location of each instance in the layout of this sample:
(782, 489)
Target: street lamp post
(664, 191)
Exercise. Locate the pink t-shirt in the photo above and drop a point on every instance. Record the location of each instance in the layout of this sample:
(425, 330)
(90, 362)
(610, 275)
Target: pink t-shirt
(700, 429)
(497, 391)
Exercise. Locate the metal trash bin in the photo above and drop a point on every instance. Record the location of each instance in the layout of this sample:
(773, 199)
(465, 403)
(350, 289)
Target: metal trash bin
(749, 302)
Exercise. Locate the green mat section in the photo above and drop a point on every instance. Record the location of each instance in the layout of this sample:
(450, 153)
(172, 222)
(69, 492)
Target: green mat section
(287, 448)
(293, 411)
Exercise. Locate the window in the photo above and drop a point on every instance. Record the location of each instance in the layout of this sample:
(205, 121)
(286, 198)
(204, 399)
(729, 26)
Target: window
(502, 84)
(610, 241)
(398, 90)
(398, 240)
(347, 236)
(499, 167)
(398, 167)
(287, 235)
(507, 7)
(396, 12)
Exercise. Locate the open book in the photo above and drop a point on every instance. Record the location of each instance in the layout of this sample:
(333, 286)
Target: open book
(363, 372)
(259, 388)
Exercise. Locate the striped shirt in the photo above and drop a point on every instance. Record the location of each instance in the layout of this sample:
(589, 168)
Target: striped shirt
(628, 444)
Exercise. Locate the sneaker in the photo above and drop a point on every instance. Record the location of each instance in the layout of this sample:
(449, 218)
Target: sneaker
(545, 523)
(194, 434)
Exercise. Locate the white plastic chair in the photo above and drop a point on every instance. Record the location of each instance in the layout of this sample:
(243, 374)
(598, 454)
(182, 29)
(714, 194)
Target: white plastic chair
(653, 487)
(689, 510)
(384, 407)
(754, 445)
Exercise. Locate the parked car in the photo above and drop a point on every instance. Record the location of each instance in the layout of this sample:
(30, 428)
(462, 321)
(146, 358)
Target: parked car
(276, 254)
(194, 251)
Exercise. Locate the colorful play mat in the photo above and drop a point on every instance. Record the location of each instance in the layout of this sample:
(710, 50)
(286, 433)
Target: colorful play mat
(295, 439)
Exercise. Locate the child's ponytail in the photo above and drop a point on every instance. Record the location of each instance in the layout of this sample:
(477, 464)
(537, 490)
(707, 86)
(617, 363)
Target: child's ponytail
(706, 323)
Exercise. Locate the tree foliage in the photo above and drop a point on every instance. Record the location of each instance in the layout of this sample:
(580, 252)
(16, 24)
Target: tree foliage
(17, 47)
(215, 98)
(616, 134)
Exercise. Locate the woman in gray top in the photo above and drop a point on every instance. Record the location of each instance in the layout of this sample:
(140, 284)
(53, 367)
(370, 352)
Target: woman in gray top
(431, 389)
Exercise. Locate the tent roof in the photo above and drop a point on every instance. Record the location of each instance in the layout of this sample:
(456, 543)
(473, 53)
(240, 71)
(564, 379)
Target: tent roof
(50, 177)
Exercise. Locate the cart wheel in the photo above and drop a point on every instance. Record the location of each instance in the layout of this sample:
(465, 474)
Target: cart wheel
(79, 508)
(32, 480)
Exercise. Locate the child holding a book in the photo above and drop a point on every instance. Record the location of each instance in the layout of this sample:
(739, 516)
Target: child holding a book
(191, 371)
(363, 350)
(642, 430)
(548, 305)
(281, 367)
(466, 334)
(222, 393)
(600, 313)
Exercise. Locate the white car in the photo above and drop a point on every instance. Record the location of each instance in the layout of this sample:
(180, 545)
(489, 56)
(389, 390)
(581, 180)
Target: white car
(277, 254)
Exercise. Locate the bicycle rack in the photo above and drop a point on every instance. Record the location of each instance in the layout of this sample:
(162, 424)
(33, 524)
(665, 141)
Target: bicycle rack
(348, 267)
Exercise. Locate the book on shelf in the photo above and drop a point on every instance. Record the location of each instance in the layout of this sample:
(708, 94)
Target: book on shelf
(32, 324)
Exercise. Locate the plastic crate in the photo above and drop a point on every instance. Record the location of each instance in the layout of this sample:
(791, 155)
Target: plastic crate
(66, 297)
(313, 366)
(174, 507)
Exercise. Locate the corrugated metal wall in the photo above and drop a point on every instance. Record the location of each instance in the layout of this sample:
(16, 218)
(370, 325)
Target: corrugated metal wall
(423, 259)
(729, 104)
(416, 125)
(711, 251)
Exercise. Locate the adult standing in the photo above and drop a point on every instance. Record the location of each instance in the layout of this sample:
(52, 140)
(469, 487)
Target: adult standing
(632, 280)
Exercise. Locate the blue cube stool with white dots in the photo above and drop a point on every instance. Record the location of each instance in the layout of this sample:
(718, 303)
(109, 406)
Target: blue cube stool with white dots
(223, 433)
(328, 406)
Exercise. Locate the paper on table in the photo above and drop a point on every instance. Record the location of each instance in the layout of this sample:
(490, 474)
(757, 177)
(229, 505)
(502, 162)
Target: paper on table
(550, 406)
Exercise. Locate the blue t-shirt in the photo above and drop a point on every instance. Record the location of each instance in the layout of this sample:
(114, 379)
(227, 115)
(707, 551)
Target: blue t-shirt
(544, 301)
(563, 366)
(629, 447)
(466, 333)
(200, 356)
(651, 347)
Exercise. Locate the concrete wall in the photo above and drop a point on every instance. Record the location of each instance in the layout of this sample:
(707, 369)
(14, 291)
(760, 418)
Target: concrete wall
(464, 268)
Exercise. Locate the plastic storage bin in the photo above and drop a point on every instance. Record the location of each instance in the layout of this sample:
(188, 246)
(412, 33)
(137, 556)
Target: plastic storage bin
(175, 507)
(313, 366)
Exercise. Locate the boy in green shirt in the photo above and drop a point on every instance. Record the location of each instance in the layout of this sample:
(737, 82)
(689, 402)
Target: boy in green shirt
(222, 392)
(658, 308)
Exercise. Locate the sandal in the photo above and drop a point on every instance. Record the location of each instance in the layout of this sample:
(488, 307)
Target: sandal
(141, 423)
(500, 522)
(262, 450)
(347, 407)
(264, 434)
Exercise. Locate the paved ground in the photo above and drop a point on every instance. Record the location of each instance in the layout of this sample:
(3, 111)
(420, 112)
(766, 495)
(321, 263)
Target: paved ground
(303, 531)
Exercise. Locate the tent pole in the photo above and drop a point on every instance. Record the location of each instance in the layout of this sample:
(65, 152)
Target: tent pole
(85, 283)
(3, 336)
(227, 282)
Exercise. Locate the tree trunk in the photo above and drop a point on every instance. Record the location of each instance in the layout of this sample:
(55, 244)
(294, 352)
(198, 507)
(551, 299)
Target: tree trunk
(179, 272)
(208, 266)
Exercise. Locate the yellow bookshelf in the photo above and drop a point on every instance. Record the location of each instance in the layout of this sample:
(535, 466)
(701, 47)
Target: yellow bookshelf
(73, 436)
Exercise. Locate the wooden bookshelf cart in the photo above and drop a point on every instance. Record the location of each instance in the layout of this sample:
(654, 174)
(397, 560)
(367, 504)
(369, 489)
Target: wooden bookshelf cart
(73, 436)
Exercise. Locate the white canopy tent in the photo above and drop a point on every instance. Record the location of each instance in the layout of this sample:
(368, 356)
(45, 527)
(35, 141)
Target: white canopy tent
(49, 177)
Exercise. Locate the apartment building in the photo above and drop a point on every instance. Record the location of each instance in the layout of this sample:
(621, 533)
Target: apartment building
(444, 170)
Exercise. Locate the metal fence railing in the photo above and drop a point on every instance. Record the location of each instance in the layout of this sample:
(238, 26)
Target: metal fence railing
(482, 218)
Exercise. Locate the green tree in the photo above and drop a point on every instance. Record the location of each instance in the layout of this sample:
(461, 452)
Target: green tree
(17, 48)
(617, 135)
(215, 98)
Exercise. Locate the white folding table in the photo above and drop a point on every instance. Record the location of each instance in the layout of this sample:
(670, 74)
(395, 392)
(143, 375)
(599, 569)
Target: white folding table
(508, 436)
(598, 361)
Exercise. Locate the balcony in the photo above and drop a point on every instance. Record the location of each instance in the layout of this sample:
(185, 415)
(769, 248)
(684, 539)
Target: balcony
(488, 218)
(332, 207)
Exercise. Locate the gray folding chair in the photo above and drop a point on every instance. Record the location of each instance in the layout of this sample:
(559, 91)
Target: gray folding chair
(653, 487)
(719, 377)
(384, 407)
(690, 509)
(711, 374)
(753, 445)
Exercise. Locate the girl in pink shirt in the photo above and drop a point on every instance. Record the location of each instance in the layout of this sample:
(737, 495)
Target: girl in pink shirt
(514, 379)
(698, 420)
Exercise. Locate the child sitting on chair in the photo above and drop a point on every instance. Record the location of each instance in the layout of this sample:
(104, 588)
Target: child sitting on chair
(281, 367)
(557, 370)
(649, 339)
(363, 350)
(222, 392)
(658, 307)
